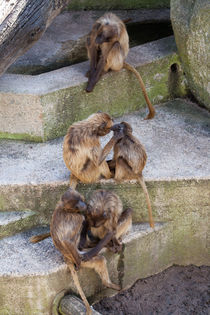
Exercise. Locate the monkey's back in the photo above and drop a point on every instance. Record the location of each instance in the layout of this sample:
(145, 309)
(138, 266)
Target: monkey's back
(65, 229)
(129, 150)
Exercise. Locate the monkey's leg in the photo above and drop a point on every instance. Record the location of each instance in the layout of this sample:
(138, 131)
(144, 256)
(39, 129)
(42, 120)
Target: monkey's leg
(99, 264)
(143, 185)
(151, 108)
(78, 286)
(95, 75)
(123, 226)
(124, 223)
(73, 181)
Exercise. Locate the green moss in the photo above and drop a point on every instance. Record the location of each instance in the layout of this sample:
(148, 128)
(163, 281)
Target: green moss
(20, 136)
(118, 4)
(116, 93)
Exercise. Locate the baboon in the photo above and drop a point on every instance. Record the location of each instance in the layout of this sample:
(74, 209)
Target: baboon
(107, 47)
(129, 159)
(82, 152)
(105, 214)
(66, 228)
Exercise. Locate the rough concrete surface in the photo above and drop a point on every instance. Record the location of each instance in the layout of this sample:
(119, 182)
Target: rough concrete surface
(42, 107)
(176, 141)
(32, 274)
(63, 43)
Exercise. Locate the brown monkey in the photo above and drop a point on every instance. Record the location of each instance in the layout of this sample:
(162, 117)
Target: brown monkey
(105, 214)
(82, 152)
(66, 229)
(107, 48)
(129, 160)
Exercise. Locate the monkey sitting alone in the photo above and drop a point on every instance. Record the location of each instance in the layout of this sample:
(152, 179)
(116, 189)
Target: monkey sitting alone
(82, 152)
(129, 160)
(66, 229)
(105, 214)
(107, 48)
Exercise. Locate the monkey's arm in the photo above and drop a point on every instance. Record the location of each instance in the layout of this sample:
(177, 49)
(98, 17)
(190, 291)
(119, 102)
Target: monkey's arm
(94, 251)
(107, 149)
(83, 235)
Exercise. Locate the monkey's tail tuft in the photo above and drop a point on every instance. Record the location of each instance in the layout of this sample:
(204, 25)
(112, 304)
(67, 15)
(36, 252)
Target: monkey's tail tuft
(39, 238)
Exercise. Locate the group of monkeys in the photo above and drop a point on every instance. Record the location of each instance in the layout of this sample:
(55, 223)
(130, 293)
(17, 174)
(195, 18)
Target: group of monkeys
(80, 229)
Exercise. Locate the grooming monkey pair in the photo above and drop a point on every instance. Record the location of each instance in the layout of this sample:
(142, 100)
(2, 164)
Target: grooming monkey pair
(73, 219)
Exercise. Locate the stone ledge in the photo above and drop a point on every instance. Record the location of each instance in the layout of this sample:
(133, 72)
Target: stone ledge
(42, 107)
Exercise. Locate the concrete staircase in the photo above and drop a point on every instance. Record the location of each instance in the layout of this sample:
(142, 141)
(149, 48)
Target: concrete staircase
(33, 176)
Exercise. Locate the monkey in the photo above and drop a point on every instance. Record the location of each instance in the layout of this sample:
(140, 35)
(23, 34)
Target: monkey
(107, 48)
(129, 160)
(82, 152)
(66, 227)
(105, 214)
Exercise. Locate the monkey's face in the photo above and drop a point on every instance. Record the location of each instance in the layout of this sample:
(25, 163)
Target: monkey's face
(121, 129)
(73, 202)
(96, 217)
(106, 33)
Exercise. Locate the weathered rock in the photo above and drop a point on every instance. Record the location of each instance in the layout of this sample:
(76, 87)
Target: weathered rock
(63, 43)
(191, 24)
(42, 107)
(118, 4)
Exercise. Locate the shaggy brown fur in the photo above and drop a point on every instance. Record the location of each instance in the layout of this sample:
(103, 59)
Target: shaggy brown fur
(66, 228)
(105, 214)
(107, 48)
(129, 160)
(82, 152)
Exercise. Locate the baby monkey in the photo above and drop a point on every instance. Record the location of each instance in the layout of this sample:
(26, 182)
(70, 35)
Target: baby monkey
(105, 214)
(129, 160)
(107, 48)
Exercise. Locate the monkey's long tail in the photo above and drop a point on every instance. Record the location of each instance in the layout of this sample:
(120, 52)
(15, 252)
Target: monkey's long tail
(143, 185)
(78, 286)
(150, 106)
(39, 238)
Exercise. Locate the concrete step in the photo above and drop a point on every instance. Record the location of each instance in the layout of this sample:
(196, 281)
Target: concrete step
(33, 175)
(31, 275)
(16, 221)
(64, 42)
(42, 107)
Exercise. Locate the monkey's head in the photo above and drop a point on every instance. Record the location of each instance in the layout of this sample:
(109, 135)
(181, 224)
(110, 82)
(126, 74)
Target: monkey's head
(73, 202)
(102, 122)
(122, 129)
(106, 33)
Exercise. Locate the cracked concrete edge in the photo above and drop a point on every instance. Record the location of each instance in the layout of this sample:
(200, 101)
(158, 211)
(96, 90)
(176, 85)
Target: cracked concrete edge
(169, 198)
(63, 100)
